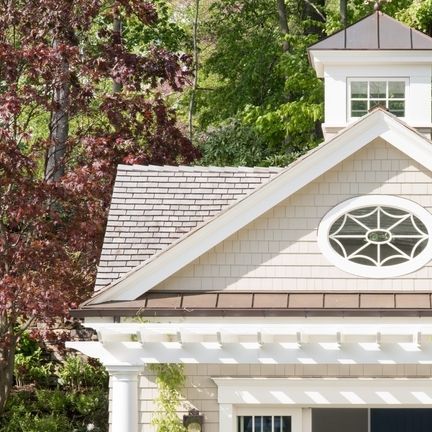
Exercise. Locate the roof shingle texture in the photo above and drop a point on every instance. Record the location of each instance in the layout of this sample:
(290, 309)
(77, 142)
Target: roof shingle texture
(153, 206)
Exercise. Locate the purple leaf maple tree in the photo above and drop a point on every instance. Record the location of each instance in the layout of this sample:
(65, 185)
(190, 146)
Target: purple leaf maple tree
(64, 127)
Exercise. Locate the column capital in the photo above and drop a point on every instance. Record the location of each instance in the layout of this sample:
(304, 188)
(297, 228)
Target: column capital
(124, 369)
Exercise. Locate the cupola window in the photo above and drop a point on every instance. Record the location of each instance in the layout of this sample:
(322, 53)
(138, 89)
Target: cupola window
(377, 236)
(366, 94)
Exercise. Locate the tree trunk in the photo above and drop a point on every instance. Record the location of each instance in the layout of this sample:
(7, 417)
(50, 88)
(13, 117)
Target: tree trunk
(59, 126)
(195, 69)
(7, 359)
(283, 23)
(343, 12)
(117, 40)
(313, 12)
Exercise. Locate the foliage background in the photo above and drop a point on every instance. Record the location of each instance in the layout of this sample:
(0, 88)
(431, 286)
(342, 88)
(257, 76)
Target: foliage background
(256, 101)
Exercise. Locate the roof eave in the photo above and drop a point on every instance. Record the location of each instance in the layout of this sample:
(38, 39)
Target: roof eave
(264, 312)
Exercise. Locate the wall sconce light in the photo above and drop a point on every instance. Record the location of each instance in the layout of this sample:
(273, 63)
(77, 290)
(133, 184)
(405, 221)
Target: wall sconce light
(193, 421)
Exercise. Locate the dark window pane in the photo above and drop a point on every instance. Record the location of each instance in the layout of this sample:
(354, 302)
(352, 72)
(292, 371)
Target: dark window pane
(377, 89)
(247, 424)
(337, 225)
(358, 108)
(396, 89)
(356, 114)
(389, 256)
(338, 247)
(352, 245)
(339, 420)
(349, 226)
(277, 424)
(286, 424)
(401, 420)
(359, 89)
(367, 216)
(377, 103)
(267, 424)
(363, 211)
(409, 226)
(397, 108)
(258, 424)
(419, 225)
(394, 261)
(390, 216)
(366, 256)
(391, 211)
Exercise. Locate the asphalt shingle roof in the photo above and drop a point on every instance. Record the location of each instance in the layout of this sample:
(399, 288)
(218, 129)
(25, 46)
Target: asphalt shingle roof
(152, 206)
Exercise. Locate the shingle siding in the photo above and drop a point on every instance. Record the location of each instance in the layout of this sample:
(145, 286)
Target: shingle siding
(279, 250)
(153, 206)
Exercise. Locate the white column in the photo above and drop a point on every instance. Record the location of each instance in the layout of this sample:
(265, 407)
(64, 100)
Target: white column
(226, 418)
(307, 420)
(124, 398)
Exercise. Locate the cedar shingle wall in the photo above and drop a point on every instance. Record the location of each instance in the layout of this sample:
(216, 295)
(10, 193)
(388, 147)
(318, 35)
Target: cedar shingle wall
(201, 392)
(279, 250)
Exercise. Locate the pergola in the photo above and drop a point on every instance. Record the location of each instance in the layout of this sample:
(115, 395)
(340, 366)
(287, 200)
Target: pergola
(124, 348)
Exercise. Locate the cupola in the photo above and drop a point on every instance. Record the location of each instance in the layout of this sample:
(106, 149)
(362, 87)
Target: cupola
(377, 61)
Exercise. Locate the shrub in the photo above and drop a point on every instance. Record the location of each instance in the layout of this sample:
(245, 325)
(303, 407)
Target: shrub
(71, 396)
(77, 374)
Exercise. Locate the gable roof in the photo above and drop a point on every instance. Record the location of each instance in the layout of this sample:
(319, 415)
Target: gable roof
(152, 206)
(160, 266)
(377, 31)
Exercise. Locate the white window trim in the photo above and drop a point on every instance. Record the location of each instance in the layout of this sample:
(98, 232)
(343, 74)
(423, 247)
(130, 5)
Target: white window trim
(372, 78)
(369, 271)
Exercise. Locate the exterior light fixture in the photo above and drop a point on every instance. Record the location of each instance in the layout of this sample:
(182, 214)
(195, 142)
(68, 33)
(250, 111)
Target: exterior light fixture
(193, 421)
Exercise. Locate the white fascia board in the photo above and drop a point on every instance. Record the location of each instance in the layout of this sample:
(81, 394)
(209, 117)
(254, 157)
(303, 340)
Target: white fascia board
(296, 176)
(409, 142)
(322, 58)
(337, 392)
(239, 215)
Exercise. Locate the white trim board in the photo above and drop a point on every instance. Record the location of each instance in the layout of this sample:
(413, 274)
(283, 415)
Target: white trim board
(326, 392)
(312, 353)
(315, 163)
(323, 58)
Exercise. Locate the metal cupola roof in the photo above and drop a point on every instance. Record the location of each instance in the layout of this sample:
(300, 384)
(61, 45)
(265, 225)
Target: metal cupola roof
(377, 31)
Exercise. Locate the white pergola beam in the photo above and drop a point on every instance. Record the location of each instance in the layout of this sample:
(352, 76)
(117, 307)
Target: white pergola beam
(300, 343)
(260, 337)
(137, 353)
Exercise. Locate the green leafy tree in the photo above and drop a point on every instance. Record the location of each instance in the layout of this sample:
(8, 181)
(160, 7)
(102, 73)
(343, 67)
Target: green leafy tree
(257, 78)
(62, 133)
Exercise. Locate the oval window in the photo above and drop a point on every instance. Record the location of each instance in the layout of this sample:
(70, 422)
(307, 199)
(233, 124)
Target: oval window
(377, 236)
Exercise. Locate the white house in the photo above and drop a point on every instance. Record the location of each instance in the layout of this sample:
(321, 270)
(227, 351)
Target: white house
(299, 299)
